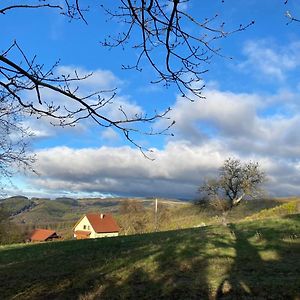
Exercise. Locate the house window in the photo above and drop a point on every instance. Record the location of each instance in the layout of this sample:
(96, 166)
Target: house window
(84, 226)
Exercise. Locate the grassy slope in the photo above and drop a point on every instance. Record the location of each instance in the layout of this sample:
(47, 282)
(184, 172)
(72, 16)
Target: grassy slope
(258, 259)
(290, 207)
(62, 214)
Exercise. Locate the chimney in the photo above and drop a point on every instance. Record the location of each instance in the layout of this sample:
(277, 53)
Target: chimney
(101, 216)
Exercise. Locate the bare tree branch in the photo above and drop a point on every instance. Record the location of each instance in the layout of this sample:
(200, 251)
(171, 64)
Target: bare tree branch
(162, 31)
(30, 76)
(11, 7)
(14, 139)
(173, 42)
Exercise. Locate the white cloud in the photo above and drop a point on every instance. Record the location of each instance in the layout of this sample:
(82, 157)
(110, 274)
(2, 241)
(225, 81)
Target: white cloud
(110, 134)
(207, 132)
(269, 60)
(121, 108)
(100, 80)
(245, 123)
(177, 170)
(225, 112)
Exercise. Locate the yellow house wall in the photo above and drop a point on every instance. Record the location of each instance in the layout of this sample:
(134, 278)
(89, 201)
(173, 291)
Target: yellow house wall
(101, 235)
(82, 223)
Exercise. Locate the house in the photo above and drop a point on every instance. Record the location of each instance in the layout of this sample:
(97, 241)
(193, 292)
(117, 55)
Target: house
(96, 225)
(43, 235)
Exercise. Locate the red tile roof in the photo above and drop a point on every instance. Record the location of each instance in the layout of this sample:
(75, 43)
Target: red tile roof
(42, 234)
(104, 224)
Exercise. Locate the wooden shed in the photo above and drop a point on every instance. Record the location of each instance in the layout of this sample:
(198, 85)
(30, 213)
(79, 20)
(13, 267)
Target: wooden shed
(43, 235)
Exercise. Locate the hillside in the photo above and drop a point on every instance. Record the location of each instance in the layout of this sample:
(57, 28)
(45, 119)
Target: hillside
(16, 205)
(288, 207)
(62, 213)
(249, 260)
(39, 210)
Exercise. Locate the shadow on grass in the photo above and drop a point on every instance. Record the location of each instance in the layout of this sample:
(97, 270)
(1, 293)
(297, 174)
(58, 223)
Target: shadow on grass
(254, 261)
(266, 265)
(150, 266)
(177, 271)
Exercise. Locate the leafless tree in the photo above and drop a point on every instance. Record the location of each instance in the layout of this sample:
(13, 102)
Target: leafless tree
(13, 139)
(133, 217)
(175, 44)
(131, 206)
(25, 85)
(236, 181)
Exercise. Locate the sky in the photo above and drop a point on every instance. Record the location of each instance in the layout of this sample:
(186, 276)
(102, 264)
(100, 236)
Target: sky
(251, 109)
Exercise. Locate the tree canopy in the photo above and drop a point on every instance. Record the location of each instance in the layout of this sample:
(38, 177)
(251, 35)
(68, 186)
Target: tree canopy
(235, 181)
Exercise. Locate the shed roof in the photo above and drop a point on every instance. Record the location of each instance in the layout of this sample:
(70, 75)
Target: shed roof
(103, 223)
(42, 234)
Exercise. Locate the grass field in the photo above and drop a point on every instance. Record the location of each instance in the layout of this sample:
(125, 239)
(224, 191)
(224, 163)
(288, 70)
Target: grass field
(249, 260)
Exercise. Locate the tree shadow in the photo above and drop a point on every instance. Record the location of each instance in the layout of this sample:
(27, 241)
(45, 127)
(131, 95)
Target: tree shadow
(199, 263)
(260, 265)
(175, 272)
(152, 266)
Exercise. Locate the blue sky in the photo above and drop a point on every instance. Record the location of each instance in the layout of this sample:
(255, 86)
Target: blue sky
(251, 110)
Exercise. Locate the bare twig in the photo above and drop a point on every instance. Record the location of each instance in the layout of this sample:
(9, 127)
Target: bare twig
(30, 76)
(161, 31)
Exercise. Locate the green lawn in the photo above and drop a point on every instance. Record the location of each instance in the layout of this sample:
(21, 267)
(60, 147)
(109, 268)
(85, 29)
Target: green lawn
(253, 260)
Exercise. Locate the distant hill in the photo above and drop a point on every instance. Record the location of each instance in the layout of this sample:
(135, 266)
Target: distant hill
(41, 211)
(67, 200)
(18, 197)
(16, 205)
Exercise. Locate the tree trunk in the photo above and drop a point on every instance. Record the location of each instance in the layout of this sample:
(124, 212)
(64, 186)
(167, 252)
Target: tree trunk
(235, 202)
(224, 218)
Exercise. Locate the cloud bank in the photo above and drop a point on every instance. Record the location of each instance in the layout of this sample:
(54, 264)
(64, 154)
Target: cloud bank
(206, 133)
